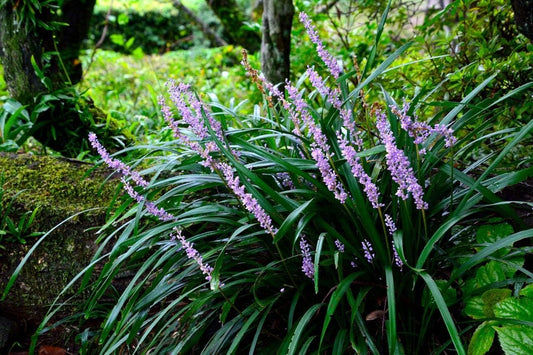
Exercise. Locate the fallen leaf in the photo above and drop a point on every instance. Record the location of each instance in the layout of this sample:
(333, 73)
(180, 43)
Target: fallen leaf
(378, 314)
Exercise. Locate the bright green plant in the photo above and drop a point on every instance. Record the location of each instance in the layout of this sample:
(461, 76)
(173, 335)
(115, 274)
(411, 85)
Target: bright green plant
(12, 230)
(494, 293)
(15, 126)
(315, 224)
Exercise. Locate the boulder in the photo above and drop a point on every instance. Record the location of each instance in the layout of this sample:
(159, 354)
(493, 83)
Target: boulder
(53, 190)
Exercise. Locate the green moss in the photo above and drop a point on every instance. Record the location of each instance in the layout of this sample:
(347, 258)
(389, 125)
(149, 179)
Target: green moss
(57, 186)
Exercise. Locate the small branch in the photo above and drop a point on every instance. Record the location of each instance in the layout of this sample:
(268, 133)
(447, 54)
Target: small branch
(206, 30)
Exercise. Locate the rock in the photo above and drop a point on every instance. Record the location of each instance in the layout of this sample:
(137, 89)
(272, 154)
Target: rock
(58, 189)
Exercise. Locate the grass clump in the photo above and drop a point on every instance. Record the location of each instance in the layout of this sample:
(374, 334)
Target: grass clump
(321, 222)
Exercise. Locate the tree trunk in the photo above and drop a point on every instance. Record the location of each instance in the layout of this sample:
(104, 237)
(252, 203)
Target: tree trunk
(233, 20)
(276, 42)
(523, 14)
(17, 47)
(206, 30)
(77, 14)
(42, 81)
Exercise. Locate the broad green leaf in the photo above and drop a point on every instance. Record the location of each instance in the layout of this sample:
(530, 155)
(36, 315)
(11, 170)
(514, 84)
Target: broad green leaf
(481, 307)
(491, 233)
(527, 291)
(490, 273)
(515, 308)
(482, 339)
(516, 339)
(474, 308)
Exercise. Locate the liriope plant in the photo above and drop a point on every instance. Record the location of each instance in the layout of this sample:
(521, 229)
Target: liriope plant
(319, 224)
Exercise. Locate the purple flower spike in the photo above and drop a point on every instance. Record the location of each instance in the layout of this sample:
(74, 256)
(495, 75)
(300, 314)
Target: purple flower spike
(308, 267)
(193, 253)
(420, 131)
(401, 171)
(339, 245)
(390, 224)
(397, 260)
(115, 163)
(370, 189)
(151, 207)
(326, 57)
(368, 251)
(249, 202)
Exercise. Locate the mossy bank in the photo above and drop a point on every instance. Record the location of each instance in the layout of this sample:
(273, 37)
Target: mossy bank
(58, 188)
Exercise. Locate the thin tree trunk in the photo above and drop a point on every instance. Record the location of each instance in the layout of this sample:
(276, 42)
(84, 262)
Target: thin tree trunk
(215, 39)
(276, 41)
(77, 14)
(234, 22)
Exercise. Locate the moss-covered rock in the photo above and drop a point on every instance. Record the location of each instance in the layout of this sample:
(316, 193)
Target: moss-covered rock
(58, 188)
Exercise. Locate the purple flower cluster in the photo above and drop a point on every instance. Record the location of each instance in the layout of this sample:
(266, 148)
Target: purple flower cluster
(249, 202)
(320, 148)
(193, 111)
(151, 207)
(308, 267)
(398, 165)
(420, 131)
(390, 224)
(192, 253)
(397, 260)
(285, 180)
(368, 251)
(334, 98)
(370, 189)
(125, 170)
(115, 163)
(326, 57)
(339, 245)
(348, 151)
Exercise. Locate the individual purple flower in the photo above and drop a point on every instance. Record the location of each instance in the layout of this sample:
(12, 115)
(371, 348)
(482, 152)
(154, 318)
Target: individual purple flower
(391, 226)
(326, 57)
(368, 251)
(308, 267)
(192, 253)
(248, 201)
(115, 163)
(339, 245)
(401, 171)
